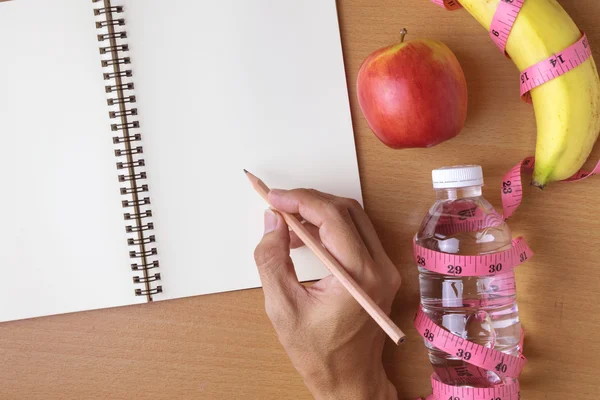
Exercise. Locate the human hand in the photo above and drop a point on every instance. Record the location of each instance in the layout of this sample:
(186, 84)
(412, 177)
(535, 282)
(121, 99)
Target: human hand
(332, 342)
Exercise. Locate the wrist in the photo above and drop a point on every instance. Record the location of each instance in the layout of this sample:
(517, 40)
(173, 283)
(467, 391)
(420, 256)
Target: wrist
(361, 386)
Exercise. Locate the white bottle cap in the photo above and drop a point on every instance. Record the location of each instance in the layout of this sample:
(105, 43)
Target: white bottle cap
(457, 177)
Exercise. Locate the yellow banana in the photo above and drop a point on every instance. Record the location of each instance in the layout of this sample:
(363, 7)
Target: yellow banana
(567, 108)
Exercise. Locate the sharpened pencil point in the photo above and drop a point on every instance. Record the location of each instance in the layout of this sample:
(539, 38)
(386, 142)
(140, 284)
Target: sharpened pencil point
(245, 171)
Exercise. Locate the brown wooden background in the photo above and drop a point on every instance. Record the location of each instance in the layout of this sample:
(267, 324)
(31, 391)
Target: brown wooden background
(222, 346)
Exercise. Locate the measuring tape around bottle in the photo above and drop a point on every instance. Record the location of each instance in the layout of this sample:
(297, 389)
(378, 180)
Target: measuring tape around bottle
(496, 283)
(479, 359)
(487, 358)
(466, 218)
(488, 264)
(499, 392)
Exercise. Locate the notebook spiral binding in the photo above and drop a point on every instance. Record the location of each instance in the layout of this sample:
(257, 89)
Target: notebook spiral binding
(121, 101)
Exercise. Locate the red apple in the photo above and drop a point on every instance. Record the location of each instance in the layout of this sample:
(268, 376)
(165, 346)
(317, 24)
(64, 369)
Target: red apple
(413, 94)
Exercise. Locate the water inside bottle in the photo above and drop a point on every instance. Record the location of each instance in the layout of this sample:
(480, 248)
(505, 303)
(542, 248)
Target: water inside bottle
(481, 309)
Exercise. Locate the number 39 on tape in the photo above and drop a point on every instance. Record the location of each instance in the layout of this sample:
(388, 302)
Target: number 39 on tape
(505, 365)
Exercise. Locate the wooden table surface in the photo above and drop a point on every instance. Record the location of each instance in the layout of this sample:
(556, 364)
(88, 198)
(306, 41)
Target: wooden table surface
(222, 346)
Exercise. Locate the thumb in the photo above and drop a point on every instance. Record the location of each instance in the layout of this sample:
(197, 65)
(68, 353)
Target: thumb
(272, 256)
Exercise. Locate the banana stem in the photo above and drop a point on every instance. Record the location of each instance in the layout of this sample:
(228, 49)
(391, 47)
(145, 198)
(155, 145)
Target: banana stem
(537, 185)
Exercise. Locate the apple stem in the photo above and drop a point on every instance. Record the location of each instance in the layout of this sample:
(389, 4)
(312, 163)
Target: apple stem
(403, 33)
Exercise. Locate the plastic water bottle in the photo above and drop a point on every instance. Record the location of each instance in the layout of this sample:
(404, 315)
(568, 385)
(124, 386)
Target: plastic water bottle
(480, 309)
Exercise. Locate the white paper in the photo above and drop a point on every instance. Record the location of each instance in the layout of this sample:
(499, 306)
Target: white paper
(226, 85)
(221, 86)
(62, 233)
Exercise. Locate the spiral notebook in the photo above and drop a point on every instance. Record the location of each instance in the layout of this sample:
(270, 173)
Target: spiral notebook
(125, 126)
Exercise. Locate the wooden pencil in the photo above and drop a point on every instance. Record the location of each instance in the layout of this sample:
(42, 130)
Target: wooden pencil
(334, 267)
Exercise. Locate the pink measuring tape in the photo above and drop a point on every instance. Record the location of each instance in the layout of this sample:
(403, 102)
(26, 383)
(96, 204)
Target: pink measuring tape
(479, 358)
(512, 187)
(503, 21)
(497, 285)
(483, 357)
(450, 264)
(554, 66)
(500, 392)
(467, 220)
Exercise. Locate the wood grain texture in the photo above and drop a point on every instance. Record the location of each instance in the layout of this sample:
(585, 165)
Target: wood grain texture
(223, 347)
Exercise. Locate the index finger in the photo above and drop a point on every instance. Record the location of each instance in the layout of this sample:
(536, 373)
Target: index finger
(336, 226)
(311, 204)
(293, 199)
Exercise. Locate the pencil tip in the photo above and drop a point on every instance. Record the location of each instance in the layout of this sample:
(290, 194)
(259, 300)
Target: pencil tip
(245, 171)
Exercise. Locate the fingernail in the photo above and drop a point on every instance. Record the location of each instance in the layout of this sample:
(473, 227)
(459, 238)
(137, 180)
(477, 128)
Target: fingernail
(270, 221)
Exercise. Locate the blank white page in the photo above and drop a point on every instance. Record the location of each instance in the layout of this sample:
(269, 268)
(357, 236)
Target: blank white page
(226, 85)
(62, 234)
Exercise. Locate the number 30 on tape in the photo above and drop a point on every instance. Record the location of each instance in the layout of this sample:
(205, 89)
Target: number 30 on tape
(491, 264)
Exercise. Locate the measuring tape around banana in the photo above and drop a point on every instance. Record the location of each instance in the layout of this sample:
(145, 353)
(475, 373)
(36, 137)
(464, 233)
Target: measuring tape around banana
(551, 68)
(554, 66)
(503, 21)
